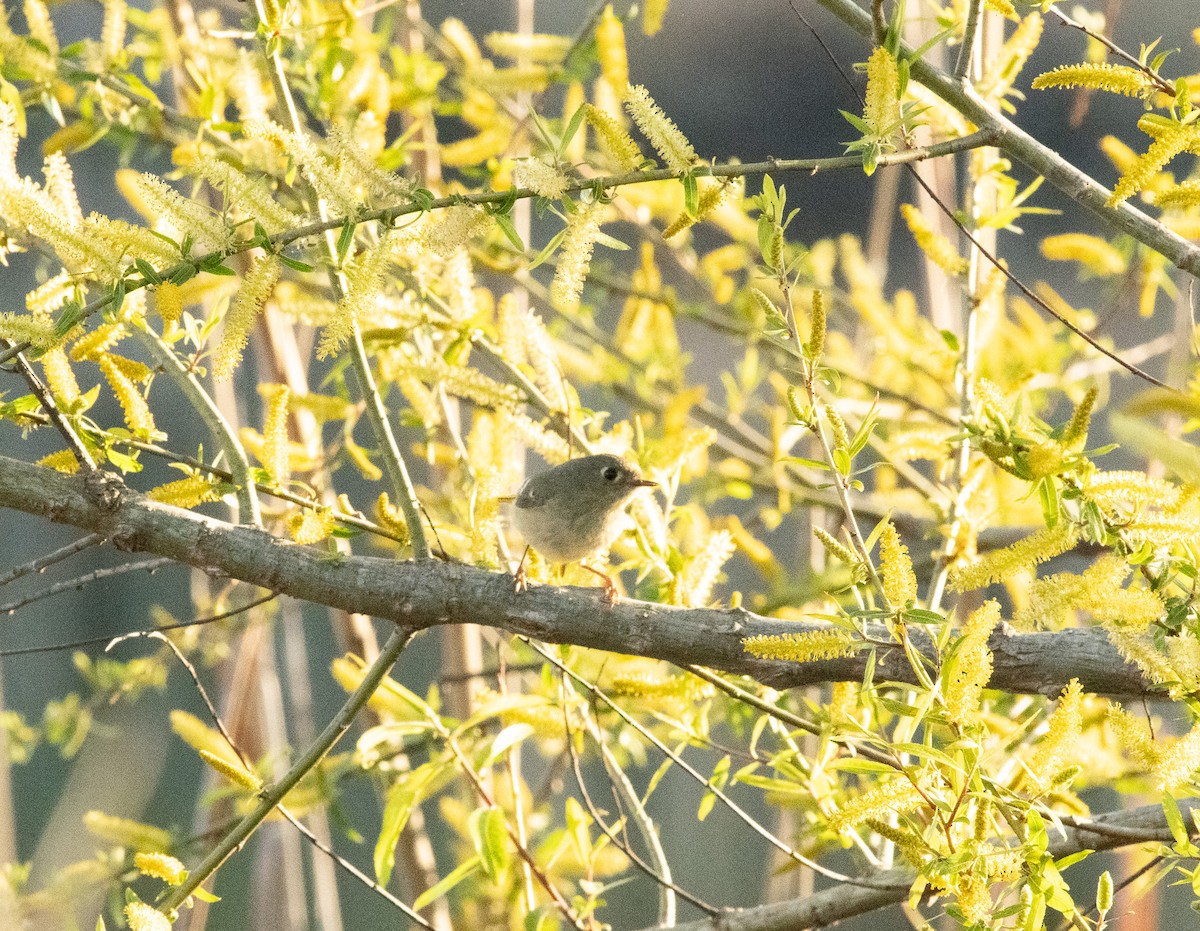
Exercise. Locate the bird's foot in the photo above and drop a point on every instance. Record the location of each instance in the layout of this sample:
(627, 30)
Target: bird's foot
(611, 594)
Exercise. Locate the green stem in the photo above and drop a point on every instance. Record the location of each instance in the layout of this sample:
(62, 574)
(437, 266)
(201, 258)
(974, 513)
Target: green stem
(269, 798)
(201, 400)
(392, 213)
(397, 469)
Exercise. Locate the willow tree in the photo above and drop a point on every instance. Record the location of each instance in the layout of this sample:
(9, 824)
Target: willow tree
(390, 263)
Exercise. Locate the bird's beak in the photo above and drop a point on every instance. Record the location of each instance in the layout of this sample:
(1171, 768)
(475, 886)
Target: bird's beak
(645, 483)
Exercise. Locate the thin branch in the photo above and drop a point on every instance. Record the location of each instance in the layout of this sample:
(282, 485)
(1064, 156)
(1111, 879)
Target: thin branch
(1161, 83)
(150, 565)
(44, 562)
(81, 453)
(836, 904)
(708, 784)
(270, 798)
(182, 625)
(288, 816)
(970, 41)
(185, 380)
(388, 215)
(1041, 159)
(597, 816)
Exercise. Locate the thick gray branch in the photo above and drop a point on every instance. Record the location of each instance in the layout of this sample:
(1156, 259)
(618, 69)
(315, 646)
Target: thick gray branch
(429, 594)
(823, 908)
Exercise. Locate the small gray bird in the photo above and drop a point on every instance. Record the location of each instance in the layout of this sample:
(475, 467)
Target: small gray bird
(576, 509)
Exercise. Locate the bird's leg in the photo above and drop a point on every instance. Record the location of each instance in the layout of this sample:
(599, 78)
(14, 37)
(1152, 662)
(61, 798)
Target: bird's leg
(520, 579)
(610, 587)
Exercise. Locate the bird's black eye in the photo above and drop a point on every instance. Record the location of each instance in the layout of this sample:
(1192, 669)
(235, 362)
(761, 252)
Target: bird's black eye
(610, 473)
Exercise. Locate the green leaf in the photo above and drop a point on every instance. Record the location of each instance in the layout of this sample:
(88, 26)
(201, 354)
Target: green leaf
(148, 271)
(691, 194)
(1174, 819)
(603, 239)
(548, 249)
(489, 833)
(1048, 495)
(504, 221)
(810, 463)
(571, 129)
(861, 766)
(507, 739)
(402, 798)
(69, 317)
(345, 238)
(442, 886)
(294, 264)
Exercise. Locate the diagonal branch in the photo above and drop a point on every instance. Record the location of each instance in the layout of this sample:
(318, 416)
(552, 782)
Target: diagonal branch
(828, 906)
(1015, 142)
(432, 594)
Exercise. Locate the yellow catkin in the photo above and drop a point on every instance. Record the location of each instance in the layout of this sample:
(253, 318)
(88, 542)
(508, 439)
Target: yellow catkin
(1178, 762)
(1116, 79)
(1170, 142)
(1140, 649)
(543, 179)
(1134, 736)
(610, 49)
(123, 832)
(112, 33)
(161, 866)
(899, 580)
(801, 647)
(1003, 68)
(41, 27)
(881, 109)
(20, 328)
(539, 47)
(583, 228)
(186, 492)
(310, 526)
(1076, 430)
(1184, 194)
(936, 247)
(137, 412)
(62, 461)
(243, 312)
(667, 139)
(168, 298)
(712, 195)
(704, 568)
(60, 376)
(616, 144)
(143, 917)
(1097, 255)
(835, 546)
(896, 796)
(1024, 554)
(460, 39)
(275, 432)
(1062, 735)
(653, 12)
(971, 669)
(1098, 591)
(234, 772)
